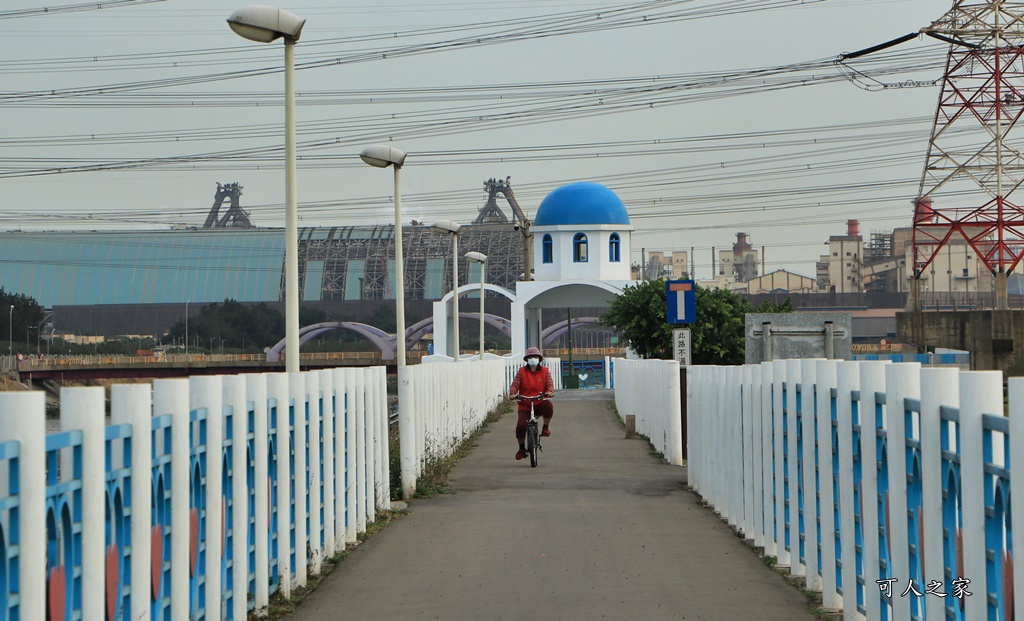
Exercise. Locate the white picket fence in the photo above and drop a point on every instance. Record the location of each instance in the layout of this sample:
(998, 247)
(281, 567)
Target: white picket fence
(649, 390)
(219, 489)
(887, 487)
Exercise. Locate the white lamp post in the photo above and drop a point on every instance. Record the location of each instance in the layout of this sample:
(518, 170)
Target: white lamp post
(186, 326)
(477, 257)
(383, 156)
(10, 333)
(447, 226)
(265, 24)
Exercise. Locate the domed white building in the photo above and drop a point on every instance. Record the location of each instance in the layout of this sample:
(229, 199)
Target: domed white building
(581, 244)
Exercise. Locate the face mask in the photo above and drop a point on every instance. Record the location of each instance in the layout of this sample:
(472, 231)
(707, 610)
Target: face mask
(532, 361)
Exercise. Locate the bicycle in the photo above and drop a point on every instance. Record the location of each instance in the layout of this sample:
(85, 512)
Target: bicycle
(533, 446)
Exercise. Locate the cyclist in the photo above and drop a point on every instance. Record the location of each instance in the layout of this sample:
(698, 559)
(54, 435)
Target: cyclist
(532, 380)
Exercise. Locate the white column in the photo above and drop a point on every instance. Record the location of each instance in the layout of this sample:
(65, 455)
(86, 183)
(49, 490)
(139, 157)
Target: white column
(327, 388)
(766, 508)
(779, 418)
(749, 459)
(83, 408)
(24, 421)
(132, 404)
(351, 489)
(233, 389)
(826, 381)
(340, 460)
(277, 390)
(314, 398)
(298, 397)
(256, 391)
(848, 379)
(808, 381)
(384, 437)
(981, 392)
(1016, 386)
(872, 380)
(170, 396)
(796, 566)
(902, 381)
(675, 412)
(206, 391)
(939, 387)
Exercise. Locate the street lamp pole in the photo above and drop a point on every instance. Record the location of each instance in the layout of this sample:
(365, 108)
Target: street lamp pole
(447, 226)
(10, 332)
(382, 156)
(186, 326)
(477, 257)
(265, 24)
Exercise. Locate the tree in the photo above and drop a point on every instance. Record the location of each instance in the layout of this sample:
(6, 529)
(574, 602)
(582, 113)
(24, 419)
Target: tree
(716, 337)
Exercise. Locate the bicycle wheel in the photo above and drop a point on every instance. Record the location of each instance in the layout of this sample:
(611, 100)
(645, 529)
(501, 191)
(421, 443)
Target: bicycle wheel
(531, 445)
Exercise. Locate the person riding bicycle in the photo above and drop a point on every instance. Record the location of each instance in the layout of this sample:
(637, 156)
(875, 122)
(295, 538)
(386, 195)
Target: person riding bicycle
(532, 380)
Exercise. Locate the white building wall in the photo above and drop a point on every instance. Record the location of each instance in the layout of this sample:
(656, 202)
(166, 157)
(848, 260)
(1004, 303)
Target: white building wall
(597, 267)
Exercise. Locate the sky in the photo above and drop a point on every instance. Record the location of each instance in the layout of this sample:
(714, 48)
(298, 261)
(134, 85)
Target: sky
(706, 117)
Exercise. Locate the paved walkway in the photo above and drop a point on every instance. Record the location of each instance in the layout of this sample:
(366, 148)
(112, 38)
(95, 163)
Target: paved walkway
(600, 530)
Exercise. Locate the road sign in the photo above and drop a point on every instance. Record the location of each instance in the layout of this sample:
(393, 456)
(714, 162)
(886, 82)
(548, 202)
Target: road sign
(681, 346)
(681, 301)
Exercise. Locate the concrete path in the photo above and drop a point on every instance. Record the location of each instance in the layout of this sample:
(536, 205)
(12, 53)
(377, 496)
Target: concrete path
(600, 530)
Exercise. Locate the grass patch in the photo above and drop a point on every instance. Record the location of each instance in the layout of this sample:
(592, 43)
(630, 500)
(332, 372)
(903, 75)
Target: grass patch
(653, 452)
(437, 472)
(279, 607)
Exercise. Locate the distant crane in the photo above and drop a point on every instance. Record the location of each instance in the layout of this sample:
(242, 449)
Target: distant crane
(234, 217)
(974, 164)
(491, 213)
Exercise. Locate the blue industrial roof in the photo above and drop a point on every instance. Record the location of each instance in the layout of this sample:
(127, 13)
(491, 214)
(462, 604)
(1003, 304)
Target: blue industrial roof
(140, 267)
(581, 203)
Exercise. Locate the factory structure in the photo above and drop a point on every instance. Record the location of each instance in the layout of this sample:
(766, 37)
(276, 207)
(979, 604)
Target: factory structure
(142, 282)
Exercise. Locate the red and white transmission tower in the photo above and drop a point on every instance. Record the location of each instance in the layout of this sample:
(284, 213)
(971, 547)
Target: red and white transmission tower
(974, 167)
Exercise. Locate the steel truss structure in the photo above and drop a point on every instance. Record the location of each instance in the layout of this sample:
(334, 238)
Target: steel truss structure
(358, 262)
(973, 170)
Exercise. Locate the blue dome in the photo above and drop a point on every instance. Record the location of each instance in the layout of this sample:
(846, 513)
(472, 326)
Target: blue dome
(581, 203)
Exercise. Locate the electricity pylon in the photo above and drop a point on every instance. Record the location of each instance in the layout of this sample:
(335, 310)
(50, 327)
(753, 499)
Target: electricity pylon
(974, 166)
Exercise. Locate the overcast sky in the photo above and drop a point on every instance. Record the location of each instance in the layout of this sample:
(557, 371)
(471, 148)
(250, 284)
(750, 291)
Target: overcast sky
(707, 117)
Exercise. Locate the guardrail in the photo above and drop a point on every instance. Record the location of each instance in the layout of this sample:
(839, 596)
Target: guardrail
(193, 503)
(649, 390)
(886, 486)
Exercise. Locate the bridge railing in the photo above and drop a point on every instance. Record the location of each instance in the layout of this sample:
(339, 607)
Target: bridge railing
(649, 390)
(201, 498)
(886, 486)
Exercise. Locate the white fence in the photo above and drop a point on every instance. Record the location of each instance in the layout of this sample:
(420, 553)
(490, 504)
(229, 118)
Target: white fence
(649, 390)
(886, 486)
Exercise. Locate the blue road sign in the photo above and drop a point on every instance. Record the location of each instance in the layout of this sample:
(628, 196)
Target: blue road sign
(681, 300)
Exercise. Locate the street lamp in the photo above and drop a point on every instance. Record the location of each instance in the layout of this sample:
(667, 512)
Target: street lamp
(382, 156)
(264, 24)
(186, 327)
(477, 257)
(453, 228)
(10, 333)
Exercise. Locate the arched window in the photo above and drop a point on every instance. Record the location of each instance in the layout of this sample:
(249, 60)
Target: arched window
(547, 249)
(613, 248)
(579, 248)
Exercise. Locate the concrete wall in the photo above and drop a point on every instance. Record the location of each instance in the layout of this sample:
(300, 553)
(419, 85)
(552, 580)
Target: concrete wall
(987, 334)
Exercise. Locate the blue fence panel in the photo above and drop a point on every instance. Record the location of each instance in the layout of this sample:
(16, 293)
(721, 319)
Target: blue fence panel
(882, 500)
(998, 539)
(911, 413)
(64, 525)
(230, 504)
(10, 533)
(160, 533)
(952, 516)
(198, 522)
(118, 551)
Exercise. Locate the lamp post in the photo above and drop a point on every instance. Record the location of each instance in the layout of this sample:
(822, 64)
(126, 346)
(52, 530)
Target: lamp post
(10, 332)
(186, 326)
(382, 156)
(477, 257)
(265, 24)
(453, 228)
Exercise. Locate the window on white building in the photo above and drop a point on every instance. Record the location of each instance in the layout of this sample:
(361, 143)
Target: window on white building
(613, 248)
(579, 248)
(547, 249)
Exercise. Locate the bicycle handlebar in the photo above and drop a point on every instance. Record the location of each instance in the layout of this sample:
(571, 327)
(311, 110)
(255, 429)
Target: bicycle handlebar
(533, 398)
